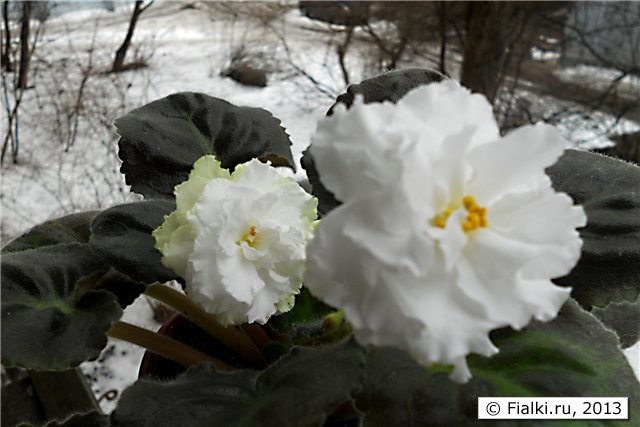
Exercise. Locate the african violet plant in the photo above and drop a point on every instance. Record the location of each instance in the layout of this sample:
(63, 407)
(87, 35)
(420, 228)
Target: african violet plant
(449, 262)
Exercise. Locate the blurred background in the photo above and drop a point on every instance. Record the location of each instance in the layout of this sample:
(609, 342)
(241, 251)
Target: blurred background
(69, 68)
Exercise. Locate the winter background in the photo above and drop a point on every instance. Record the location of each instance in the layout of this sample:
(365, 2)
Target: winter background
(67, 159)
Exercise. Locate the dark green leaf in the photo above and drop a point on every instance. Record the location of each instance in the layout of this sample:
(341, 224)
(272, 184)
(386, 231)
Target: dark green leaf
(299, 390)
(75, 228)
(609, 191)
(623, 318)
(571, 356)
(46, 323)
(88, 419)
(400, 392)
(390, 87)
(122, 235)
(125, 289)
(160, 142)
(326, 200)
(72, 228)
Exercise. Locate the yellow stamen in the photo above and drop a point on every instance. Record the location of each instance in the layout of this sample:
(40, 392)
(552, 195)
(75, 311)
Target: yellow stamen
(251, 237)
(469, 203)
(476, 215)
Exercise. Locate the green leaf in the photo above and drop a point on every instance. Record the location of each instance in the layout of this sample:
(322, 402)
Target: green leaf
(88, 419)
(398, 391)
(46, 323)
(306, 309)
(389, 87)
(609, 190)
(623, 318)
(160, 142)
(299, 390)
(122, 235)
(72, 228)
(75, 228)
(574, 355)
(125, 289)
(571, 356)
(326, 200)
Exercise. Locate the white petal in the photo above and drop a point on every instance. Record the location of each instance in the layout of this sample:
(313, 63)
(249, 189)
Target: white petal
(493, 273)
(263, 305)
(515, 162)
(369, 153)
(204, 170)
(438, 292)
(228, 277)
(447, 108)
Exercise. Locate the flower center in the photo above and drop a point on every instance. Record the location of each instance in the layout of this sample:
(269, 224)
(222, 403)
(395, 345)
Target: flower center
(476, 215)
(251, 237)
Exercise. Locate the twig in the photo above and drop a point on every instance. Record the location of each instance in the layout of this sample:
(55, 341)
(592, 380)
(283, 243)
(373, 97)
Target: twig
(320, 87)
(342, 52)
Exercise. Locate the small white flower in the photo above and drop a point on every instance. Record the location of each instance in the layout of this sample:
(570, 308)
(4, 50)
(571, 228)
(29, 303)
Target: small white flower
(238, 239)
(447, 230)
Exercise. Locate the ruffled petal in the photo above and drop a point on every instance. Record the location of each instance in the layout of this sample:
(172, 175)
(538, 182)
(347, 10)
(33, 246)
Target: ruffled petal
(361, 135)
(514, 163)
(447, 108)
(240, 242)
(460, 236)
(174, 239)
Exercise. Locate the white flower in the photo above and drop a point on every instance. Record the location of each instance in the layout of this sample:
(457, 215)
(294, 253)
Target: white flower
(238, 239)
(447, 230)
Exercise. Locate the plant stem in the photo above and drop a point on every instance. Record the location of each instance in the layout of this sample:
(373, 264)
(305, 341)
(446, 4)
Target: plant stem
(228, 336)
(163, 345)
(257, 334)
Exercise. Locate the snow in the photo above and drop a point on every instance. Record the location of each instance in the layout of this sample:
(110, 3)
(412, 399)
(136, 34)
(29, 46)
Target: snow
(544, 55)
(117, 367)
(186, 49)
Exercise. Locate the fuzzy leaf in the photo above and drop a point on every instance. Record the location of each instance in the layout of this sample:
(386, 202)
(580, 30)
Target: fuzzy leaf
(398, 391)
(72, 228)
(160, 142)
(122, 235)
(46, 323)
(623, 318)
(87, 419)
(299, 390)
(609, 190)
(125, 289)
(573, 355)
(389, 87)
(75, 228)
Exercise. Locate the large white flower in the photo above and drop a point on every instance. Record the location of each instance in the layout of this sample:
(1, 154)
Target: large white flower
(238, 239)
(446, 230)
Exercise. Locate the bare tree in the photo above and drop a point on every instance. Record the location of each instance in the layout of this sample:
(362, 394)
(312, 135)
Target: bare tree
(118, 62)
(493, 29)
(6, 51)
(25, 54)
(12, 97)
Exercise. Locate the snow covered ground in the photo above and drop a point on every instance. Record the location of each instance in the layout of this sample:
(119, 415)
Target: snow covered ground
(186, 46)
